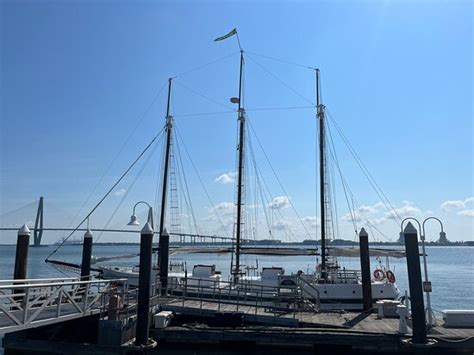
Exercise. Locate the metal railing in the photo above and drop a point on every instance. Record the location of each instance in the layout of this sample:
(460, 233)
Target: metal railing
(124, 306)
(35, 281)
(26, 303)
(289, 298)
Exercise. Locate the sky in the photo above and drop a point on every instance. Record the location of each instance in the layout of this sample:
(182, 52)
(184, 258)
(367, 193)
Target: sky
(83, 91)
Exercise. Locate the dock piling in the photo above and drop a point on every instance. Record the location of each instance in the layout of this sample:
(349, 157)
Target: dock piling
(144, 285)
(365, 269)
(86, 256)
(415, 284)
(21, 256)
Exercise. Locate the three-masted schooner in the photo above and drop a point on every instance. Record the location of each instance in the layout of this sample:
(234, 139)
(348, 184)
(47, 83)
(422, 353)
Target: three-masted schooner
(329, 285)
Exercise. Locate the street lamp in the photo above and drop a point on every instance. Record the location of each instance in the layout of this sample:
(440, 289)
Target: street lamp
(134, 220)
(427, 284)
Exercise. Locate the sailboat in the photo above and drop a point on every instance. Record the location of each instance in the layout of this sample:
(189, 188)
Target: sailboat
(329, 285)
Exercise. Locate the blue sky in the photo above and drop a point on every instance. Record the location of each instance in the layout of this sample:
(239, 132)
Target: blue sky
(397, 76)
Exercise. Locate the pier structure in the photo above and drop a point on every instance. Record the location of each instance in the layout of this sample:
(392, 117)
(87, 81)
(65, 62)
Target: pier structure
(246, 319)
(44, 315)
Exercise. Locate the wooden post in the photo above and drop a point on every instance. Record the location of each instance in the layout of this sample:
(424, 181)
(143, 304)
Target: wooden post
(21, 256)
(86, 256)
(144, 277)
(164, 260)
(414, 280)
(365, 269)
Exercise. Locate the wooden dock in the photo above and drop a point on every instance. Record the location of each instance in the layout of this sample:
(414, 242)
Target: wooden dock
(214, 325)
(360, 331)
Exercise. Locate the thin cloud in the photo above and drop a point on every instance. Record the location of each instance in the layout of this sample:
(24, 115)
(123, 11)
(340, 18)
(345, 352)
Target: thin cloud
(224, 208)
(404, 211)
(282, 225)
(311, 221)
(120, 192)
(227, 178)
(457, 204)
(362, 212)
(279, 202)
(466, 213)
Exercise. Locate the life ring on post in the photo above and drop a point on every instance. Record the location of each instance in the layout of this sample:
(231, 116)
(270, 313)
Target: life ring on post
(379, 274)
(390, 276)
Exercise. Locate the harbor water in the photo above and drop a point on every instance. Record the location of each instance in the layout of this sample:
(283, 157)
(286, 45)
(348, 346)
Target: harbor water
(450, 269)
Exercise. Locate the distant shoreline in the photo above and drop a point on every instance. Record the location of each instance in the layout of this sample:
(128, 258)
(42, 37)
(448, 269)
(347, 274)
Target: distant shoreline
(278, 243)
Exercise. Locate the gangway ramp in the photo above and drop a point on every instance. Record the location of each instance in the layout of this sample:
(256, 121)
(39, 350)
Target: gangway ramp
(32, 303)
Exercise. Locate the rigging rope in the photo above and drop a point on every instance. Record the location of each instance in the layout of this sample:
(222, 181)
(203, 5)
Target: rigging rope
(202, 95)
(130, 187)
(367, 173)
(205, 113)
(280, 108)
(107, 194)
(278, 179)
(187, 195)
(205, 65)
(282, 82)
(334, 199)
(266, 200)
(280, 60)
(140, 119)
(200, 180)
(333, 153)
(346, 188)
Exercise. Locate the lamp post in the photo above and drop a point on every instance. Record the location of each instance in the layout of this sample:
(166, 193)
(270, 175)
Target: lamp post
(134, 220)
(426, 285)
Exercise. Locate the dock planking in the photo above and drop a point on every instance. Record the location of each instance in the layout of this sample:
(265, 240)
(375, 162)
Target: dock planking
(307, 328)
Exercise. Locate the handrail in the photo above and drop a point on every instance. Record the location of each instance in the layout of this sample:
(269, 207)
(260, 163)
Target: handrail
(72, 283)
(35, 280)
(307, 283)
(32, 305)
(258, 296)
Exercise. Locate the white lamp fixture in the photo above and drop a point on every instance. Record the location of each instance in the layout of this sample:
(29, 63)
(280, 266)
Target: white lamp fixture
(133, 221)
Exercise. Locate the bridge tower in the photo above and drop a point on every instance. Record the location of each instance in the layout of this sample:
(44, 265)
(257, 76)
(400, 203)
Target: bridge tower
(38, 231)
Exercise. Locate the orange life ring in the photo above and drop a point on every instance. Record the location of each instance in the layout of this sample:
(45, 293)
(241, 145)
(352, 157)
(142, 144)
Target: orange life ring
(379, 274)
(390, 276)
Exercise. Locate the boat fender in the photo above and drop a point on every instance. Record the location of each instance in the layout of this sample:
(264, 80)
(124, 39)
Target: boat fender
(379, 274)
(390, 276)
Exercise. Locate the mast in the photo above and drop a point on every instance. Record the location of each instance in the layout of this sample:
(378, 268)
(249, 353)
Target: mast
(241, 113)
(322, 175)
(169, 129)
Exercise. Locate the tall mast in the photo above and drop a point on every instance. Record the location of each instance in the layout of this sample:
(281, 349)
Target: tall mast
(241, 114)
(322, 175)
(169, 130)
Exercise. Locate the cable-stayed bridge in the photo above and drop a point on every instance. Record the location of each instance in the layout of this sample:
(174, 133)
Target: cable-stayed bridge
(33, 214)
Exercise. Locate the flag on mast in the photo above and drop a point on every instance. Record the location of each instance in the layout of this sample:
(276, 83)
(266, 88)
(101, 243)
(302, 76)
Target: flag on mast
(230, 34)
